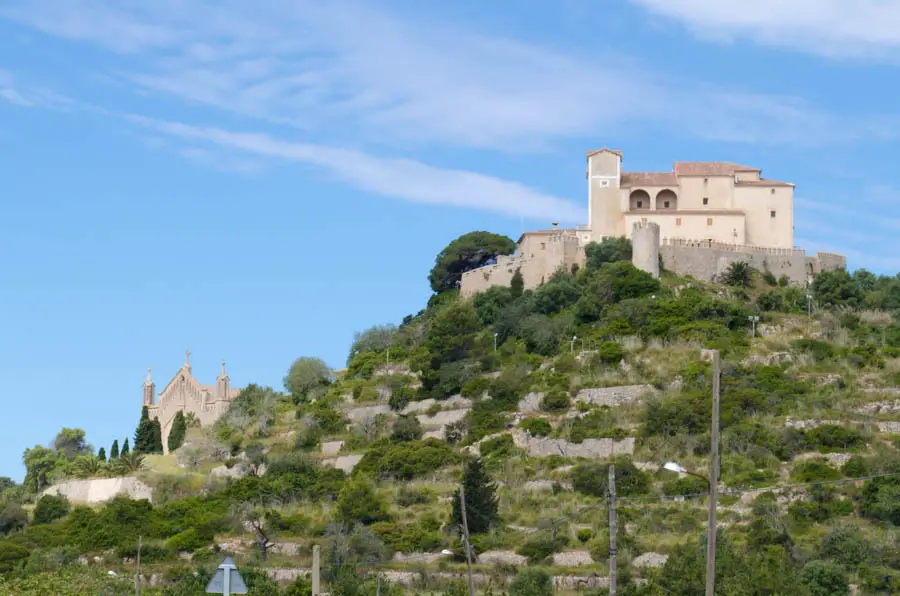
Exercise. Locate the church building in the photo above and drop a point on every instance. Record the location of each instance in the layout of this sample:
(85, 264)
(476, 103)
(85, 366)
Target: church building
(186, 394)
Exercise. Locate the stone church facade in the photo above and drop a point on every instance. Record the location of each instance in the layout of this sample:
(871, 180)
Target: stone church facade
(186, 394)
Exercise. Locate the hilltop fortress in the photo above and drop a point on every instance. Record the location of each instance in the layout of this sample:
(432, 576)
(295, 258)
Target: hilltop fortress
(700, 218)
(185, 393)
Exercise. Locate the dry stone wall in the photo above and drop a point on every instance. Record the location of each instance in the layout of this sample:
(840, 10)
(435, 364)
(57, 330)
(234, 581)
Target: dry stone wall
(100, 490)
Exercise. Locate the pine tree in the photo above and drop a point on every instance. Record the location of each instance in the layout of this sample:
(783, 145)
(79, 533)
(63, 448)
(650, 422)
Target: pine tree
(157, 436)
(517, 284)
(143, 435)
(179, 429)
(125, 448)
(481, 499)
(102, 453)
(114, 450)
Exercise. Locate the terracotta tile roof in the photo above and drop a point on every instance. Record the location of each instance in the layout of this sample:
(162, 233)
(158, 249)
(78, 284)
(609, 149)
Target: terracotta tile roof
(710, 168)
(596, 151)
(648, 179)
(762, 182)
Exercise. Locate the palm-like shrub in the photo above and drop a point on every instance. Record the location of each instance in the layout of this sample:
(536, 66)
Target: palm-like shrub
(128, 463)
(738, 274)
(88, 466)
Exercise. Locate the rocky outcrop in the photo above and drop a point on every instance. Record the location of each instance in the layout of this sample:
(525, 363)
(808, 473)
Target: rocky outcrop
(502, 557)
(442, 419)
(573, 558)
(363, 413)
(100, 490)
(453, 403)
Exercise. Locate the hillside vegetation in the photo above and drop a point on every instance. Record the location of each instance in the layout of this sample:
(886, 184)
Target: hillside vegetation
(524, 397)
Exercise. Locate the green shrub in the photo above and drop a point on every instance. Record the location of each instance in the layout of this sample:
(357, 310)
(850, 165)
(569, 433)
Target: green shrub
(531, 582)
(406, 460)
(537, 549)
(402, 397)
(830, 437)
(686, 485)
(825, 578)
(881, 499)
(406, 429)
(585, 535)
(814, 470)
(475, 388)
(409, 538)
(609, 352)
(846, 545)
(592, 478)
(486, 418)
(556, 400)
(536, 427)
(358, 503)
(50, 508)
(501, 447)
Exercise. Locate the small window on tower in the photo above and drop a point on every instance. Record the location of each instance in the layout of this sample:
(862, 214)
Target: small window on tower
(773, 191)
(705, 201)
(604, 183)
(772, 214)
(640, 204)
(677, 221)
(665, 204)
(543, 245)
(709, 221)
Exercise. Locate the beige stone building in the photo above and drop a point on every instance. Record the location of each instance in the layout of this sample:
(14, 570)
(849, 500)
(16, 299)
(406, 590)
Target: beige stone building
(186, 394)
(706, 215)
(698, 200)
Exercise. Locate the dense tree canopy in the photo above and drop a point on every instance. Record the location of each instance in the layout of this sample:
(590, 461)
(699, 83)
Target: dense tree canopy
(305, 375)
(467, 252)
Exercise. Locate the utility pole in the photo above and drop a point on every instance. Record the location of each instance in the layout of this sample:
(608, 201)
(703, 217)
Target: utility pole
(137, 574)
(713, 479)
(612, 529)
(462, 510)
(315, 571)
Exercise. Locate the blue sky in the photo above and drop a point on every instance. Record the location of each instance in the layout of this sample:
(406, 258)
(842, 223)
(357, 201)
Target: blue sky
(257, 181)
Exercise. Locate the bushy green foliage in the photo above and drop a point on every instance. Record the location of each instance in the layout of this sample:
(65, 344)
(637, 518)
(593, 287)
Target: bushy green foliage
(881, 499)
(358, 503)
(536, 427)
(12, 517)
(50, 508)
(556, 400)
(739, 274)
(305, 376)
(537, 549)
(467, 252)
(482, 508)
(608, 250)
(406, 461)
(592, 478)
(501, 447)
(177, 432)
(406, 429)
(825, 578)
(832, 437)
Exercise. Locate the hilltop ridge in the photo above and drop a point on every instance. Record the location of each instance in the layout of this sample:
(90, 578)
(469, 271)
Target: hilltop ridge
(526, 396)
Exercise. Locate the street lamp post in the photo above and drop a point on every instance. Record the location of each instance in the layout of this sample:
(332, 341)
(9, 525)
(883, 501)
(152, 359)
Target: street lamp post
(572, 344)
(753, 321)
(808, 312)
(495, 341)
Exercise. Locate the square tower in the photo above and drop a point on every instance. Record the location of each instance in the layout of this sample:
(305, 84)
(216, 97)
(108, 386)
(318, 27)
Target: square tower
(605, 214)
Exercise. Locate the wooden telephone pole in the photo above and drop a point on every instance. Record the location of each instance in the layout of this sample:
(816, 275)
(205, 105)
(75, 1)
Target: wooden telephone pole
(612, 530)
(713, 479)
(462, 510)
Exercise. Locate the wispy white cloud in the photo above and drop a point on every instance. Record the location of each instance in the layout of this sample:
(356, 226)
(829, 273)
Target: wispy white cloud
(15, 92)
(835, 28)
(400, 178)
(350, 71)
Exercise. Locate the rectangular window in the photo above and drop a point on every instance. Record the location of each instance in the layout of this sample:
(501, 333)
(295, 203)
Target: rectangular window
(666, 205)
(640, 204)
(709, 221)
(772, 214)
(705, 201)
(543, 245)
(677, 221)
(604, 183)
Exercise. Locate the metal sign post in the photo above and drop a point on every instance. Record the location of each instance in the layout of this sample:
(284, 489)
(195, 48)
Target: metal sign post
(227, 580)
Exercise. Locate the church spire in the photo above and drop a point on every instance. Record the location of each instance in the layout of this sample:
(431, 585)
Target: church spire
(149, 380)
(223, 385)
(187, 359)
(223, 374)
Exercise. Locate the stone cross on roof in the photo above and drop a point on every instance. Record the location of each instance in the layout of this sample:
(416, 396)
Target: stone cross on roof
(187, 358)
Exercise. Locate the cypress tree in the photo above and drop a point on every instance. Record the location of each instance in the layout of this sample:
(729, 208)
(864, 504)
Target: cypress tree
(481, 499)
(157, 436)
(143, 435)
(114, 450)
(517, 284)
(125, 448)
(179, 429)
(102, 453)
